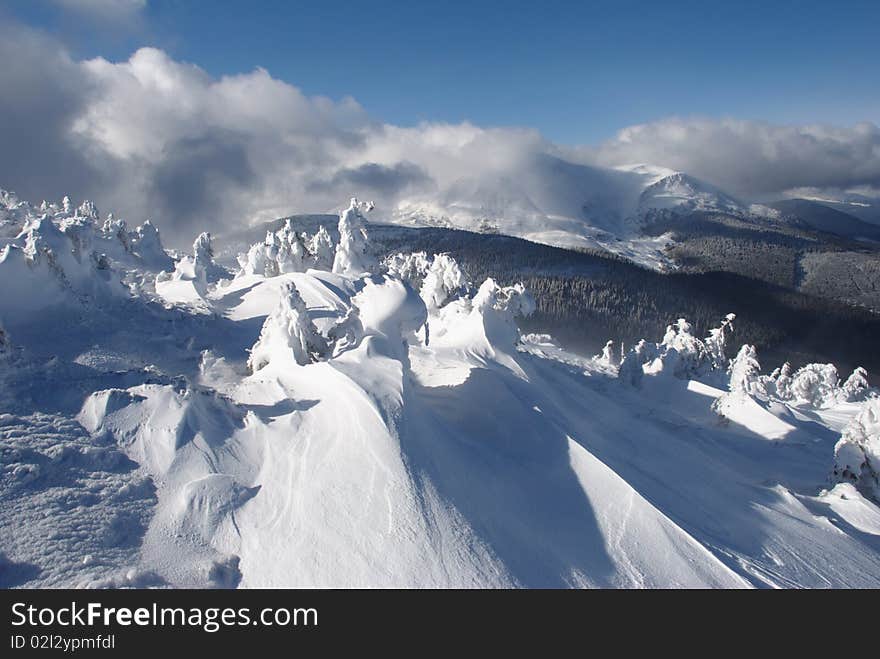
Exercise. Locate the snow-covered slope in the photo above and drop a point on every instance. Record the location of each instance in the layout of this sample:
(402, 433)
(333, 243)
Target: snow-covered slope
(550, 200)
(825, 217)
(387, 425)
(679, 191)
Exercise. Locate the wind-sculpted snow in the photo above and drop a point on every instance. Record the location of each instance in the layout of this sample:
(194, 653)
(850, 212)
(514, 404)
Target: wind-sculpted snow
(389, 425)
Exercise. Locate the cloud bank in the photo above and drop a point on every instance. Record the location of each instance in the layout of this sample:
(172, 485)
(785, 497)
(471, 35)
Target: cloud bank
(749, 158)
(155, 137)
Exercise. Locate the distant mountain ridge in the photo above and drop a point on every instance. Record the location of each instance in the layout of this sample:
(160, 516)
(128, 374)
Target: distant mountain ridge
(828, 219)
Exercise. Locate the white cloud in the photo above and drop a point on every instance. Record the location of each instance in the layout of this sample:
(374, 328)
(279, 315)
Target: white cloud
(152, 136)
(750, 158)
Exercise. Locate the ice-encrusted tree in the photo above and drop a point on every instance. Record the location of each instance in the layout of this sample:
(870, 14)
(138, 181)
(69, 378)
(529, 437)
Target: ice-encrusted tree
(744, 371)
(632, 365)
(204, 266)
(782, 382)
(287, 331)
(281, 252)
(411, 267)
(815, 384)
(717, 341)
(203, 254)
(118, 229)
(287, 250)
(514, 300)
(322, 249)
(88, 210)
(856, 386)
(147, 243)
(256, 260)
(680, 354)
(443, 279)
(607, 356)
(347, 333)
(352, 253)
(497, 308)
(857, 453)
(685, 355)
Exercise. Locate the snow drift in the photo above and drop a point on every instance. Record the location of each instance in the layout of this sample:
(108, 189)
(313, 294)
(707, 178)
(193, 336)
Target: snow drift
(318, 418)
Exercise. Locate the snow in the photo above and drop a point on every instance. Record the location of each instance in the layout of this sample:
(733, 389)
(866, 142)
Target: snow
(550, 200)
(388, 425)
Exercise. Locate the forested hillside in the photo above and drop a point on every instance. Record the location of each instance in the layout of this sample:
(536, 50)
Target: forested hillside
(585, 298)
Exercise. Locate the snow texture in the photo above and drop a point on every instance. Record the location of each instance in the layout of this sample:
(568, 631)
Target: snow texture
(308, 423)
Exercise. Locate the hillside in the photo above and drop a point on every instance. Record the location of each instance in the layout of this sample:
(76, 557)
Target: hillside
(313, 417)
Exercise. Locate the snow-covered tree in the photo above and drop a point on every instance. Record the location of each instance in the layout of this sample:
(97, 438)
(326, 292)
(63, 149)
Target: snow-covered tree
(680, 354)
(856, 386)
(857, 453)
(203, 254)
(515, 300)
(281, 252)
(631, 369)
(322, 250)
(685, 356)
(607, 355)
(782, 382)
(815, 384)
(287, 331)
(744, 371)
(88, 210)
(347, 333)
(203, 259)
(352, 252)
(117, 230)
(256, 260)
(497, 307)
(411, 267)
(288, 250)
(443, 279)
(717, 341)
(147, 244)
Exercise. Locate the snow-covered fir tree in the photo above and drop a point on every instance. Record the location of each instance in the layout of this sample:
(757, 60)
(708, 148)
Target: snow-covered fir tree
(744, 371)
(322, 249)
(856, 386)
(443, 279)
(815, 384)
(352, 253)
(288, 332)
(857, 453)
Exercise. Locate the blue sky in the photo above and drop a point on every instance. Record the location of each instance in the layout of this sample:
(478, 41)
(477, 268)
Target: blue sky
(576, 71)
(765, 102)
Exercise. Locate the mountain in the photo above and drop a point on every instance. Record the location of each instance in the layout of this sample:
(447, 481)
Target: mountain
(681, 193)
(550, 200)
(825, 218)
(863, 207)
(302, 420)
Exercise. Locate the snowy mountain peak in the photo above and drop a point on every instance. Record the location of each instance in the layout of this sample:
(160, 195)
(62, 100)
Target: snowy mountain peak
(679, 191)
